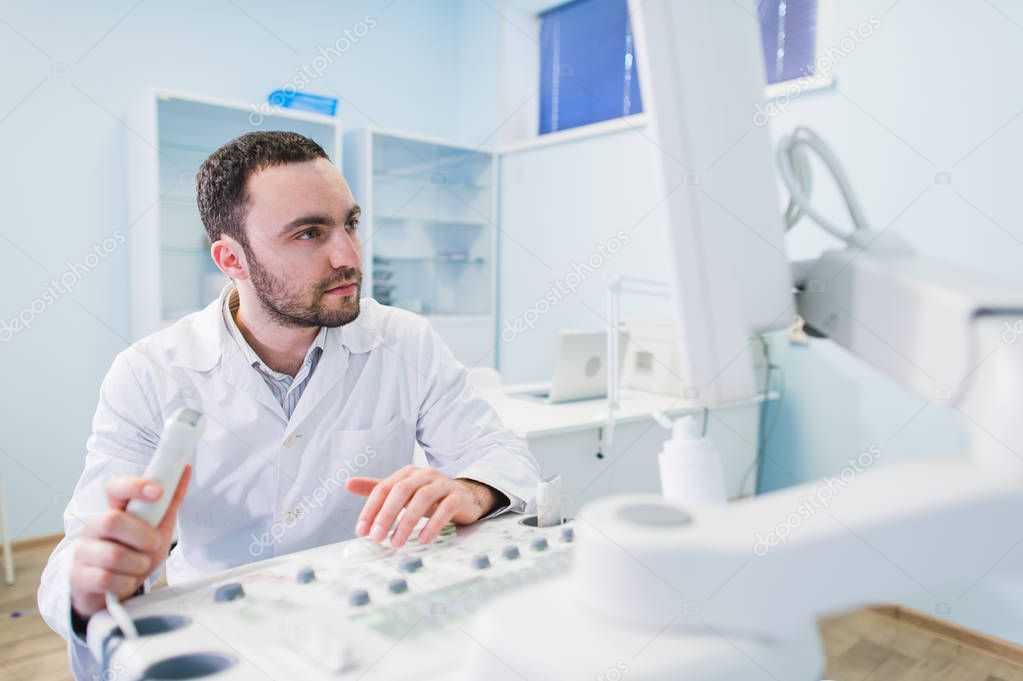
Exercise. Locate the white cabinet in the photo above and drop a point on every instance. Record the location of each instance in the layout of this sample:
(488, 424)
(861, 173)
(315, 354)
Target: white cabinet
(429, 233)
(172, 273)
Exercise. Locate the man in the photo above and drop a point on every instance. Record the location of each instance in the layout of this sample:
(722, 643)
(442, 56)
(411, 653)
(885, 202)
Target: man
(313, 401)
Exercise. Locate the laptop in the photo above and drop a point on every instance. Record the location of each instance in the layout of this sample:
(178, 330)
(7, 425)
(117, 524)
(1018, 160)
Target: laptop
(581, 369)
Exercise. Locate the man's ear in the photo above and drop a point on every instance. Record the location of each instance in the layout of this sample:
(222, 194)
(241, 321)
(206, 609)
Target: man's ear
(229, 257)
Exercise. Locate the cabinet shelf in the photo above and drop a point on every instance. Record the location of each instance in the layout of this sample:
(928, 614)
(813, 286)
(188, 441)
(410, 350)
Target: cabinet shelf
(172, 273)
(438, 259)
(436, 254)
(180, 146)
(424, 179)
(436, 221)
(446, 158)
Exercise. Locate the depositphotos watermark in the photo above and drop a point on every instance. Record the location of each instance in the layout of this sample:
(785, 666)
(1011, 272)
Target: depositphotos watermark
(1012, 331)
(74, 272)
(319, 64)
(114, 672)
(827, 59)
(616, 673)
(820, 498)
(325, 488)
(559, 289)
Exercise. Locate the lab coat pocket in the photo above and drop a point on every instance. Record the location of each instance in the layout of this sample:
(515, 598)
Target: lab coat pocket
(373, 452)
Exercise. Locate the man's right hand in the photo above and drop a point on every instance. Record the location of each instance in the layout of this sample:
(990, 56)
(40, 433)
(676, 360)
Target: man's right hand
(117, 550)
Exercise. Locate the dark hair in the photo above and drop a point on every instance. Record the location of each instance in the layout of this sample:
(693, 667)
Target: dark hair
(220, 184)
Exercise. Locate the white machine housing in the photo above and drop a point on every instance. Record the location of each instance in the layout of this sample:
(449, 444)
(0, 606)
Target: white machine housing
(718, 593)
(911, 317)
(725, 234)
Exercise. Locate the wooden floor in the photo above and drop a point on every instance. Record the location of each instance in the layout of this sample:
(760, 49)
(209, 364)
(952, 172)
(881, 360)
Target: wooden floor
(884, 644)
(29, 650)
(887, 644)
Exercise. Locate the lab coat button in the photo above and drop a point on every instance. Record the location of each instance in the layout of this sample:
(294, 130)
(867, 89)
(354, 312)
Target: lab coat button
(290, 440)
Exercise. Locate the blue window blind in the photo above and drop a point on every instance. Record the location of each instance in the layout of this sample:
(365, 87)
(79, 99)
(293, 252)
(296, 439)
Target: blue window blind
(587, 65)
(789, 29)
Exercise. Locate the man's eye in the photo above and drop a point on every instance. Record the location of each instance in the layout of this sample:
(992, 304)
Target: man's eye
(309, 234)
(353, 225)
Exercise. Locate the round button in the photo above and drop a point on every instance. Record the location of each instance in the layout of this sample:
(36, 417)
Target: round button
(510, 552)
(567, 534)
(358, 597)
(480, 561)
(305, 575)
(539, 543)
(228, 592)
(397, 586)
(411, 563)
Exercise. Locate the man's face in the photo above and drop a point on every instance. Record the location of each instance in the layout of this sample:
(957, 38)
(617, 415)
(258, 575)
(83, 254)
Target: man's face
(303, 254)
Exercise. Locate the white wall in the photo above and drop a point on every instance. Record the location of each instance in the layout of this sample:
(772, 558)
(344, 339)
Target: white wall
(63, 181)
(570, 214)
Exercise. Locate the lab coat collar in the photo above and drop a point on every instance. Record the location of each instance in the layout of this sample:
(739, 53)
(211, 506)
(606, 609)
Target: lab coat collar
(207, 340)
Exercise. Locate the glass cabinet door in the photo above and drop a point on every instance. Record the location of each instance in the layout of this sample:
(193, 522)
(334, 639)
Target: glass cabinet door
(432, 231)
(188, 132)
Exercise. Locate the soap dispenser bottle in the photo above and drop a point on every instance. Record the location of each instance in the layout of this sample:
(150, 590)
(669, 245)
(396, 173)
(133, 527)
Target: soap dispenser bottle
(692, 473)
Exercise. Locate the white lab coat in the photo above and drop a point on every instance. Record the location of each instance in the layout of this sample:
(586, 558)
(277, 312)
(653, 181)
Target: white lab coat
(263, 485)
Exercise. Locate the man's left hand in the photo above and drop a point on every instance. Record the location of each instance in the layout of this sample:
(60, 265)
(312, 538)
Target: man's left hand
(422, 492)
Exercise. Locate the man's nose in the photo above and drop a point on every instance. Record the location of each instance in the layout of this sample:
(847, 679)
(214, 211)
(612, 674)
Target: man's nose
(344, 250)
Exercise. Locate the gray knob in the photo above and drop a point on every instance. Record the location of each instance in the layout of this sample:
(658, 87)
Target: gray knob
(305, 575)
(539, 543)
(228, 592)
(567, 534)
(397, 586)
(411, 563)
(358, 597)
(510, 552)
(480, 561)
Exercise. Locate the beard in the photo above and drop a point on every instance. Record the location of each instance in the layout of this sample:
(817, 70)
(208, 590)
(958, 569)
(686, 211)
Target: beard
(305, 308)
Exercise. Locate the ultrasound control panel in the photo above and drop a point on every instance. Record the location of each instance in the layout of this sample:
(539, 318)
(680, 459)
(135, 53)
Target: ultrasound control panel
(352, 610)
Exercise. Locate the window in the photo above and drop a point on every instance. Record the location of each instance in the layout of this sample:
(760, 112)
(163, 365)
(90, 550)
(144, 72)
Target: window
(796, 38)
(789, 29)
(587, 65)
(588, 59)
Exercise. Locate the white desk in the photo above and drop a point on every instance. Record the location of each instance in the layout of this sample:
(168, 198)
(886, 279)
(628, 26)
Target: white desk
(566, 439)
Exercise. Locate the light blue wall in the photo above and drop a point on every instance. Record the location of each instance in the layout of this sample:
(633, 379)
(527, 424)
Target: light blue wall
(925, 93)
(63, 178)
(930, 90)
